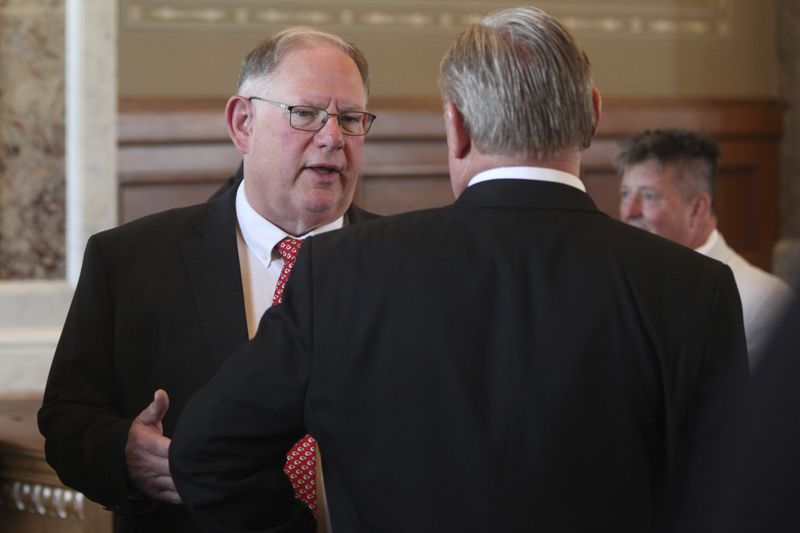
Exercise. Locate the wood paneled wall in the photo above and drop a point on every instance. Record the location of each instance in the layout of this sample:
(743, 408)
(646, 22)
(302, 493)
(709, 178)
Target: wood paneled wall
(177, 152)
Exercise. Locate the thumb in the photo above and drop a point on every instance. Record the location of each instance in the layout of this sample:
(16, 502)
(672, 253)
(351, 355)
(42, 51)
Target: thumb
(154, 412)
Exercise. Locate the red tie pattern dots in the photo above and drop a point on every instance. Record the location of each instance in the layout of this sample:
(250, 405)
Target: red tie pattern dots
(288, 249)
(301, 461)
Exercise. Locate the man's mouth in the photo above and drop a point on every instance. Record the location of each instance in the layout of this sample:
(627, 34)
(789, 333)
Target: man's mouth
(324, 169)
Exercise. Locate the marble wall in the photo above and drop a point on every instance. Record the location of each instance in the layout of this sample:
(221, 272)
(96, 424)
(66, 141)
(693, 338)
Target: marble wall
(57, 81)
(32, 139)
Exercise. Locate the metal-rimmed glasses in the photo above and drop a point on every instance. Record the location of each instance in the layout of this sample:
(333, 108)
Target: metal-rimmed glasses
(309, 118)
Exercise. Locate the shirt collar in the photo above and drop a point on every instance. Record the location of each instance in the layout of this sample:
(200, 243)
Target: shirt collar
(528, 173)
(261, 235)
(707, 246)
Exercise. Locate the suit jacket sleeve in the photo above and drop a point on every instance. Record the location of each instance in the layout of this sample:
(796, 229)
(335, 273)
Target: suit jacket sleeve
(85, 434)
(721, 385)
(229, 447)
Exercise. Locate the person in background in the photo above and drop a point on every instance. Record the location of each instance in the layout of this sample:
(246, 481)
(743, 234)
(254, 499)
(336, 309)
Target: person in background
(515, 361)
(163, 300)
(668, 188)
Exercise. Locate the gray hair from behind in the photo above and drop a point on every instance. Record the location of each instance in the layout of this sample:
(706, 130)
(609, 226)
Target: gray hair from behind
(267, 56)
(522, 84)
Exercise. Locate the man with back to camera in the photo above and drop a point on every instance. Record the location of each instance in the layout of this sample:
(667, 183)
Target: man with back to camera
(668, 188)
(511, 362)
(162, 301)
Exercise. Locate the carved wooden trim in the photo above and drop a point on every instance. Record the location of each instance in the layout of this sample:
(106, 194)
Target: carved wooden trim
(706, 18)
(41, 499)
(164, 119)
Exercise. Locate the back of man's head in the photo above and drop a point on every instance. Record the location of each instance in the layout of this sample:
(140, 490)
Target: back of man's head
(693, 154)
(522, 84)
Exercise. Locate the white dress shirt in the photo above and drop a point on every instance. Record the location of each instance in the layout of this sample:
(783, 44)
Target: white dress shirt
(528, 173)
(764, 296)
(260, 265)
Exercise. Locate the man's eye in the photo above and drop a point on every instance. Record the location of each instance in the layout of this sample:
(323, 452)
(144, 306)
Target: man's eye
(649, 197)
(351, 119)
(304, 113)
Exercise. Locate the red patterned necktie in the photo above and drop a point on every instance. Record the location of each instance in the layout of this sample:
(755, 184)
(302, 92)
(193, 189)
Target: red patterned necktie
(287, 248)
(301, 461)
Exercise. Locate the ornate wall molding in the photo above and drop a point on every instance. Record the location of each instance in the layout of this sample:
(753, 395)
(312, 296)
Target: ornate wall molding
(709, 18)
(32, 8)
(41, 499)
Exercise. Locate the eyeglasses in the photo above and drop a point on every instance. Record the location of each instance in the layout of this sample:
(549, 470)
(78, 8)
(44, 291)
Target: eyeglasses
(307, 118)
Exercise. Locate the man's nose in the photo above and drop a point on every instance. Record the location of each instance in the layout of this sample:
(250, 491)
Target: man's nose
(630, 207)
(330, 135)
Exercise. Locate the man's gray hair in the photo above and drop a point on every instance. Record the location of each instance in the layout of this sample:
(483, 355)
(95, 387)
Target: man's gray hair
(268, 55)
(522, 84)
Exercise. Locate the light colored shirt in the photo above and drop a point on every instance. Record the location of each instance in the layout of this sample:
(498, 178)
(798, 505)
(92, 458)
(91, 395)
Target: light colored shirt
(763, 295)
(528, 173)
(259, 263)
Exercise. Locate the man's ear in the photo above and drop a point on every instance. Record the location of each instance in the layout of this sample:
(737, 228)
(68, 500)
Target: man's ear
(459, 142)
(597, 104)
(239, 120)
(701, 209)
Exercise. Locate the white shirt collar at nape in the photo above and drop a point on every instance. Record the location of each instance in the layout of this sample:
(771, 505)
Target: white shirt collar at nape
(707, 246)
(528, 173)
(261, 235)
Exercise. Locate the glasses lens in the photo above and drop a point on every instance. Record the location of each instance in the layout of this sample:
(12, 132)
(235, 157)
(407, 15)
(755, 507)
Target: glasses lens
(314, 119)
(353, 123)
(307, 118)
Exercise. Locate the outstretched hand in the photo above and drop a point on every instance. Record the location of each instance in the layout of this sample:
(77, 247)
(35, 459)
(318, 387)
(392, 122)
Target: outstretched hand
(147, 451)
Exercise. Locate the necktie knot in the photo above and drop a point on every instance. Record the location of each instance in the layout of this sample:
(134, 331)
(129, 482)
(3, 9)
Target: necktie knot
(288, 248)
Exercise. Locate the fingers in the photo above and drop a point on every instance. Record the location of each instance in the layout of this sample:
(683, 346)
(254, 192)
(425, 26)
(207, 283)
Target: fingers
(170, 497)
(147, 443)
(148, 463)
(147, 452)
(153, 413)
(163, 488)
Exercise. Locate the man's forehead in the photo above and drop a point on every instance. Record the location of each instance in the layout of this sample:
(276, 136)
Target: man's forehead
(651, 172)
(311, 78)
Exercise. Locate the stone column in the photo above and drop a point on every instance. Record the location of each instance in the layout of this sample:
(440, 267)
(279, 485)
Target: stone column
(57, 76)
(32, 139)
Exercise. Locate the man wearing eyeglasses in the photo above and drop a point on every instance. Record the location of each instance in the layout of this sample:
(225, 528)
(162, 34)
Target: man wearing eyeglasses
(516, 361)
(163, 300)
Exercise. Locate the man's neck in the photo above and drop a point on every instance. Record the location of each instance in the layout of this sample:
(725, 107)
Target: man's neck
(701, 234)
(479, 162)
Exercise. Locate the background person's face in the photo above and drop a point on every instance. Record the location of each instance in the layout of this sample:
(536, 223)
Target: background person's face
(650, 200)
(301, 179)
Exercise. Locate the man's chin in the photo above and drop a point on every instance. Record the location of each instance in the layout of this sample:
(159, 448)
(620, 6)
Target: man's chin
(324, 200)
(326, 210)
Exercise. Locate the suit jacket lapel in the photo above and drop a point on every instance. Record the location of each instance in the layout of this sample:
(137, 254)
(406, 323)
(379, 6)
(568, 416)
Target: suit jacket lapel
(212, 262)
(355, 215)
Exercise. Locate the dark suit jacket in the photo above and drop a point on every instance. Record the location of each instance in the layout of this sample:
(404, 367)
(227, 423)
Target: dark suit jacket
(159, 304)
(762, 491)
(517, 361)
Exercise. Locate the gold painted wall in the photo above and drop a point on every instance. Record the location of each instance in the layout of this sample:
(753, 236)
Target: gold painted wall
(638, 47)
